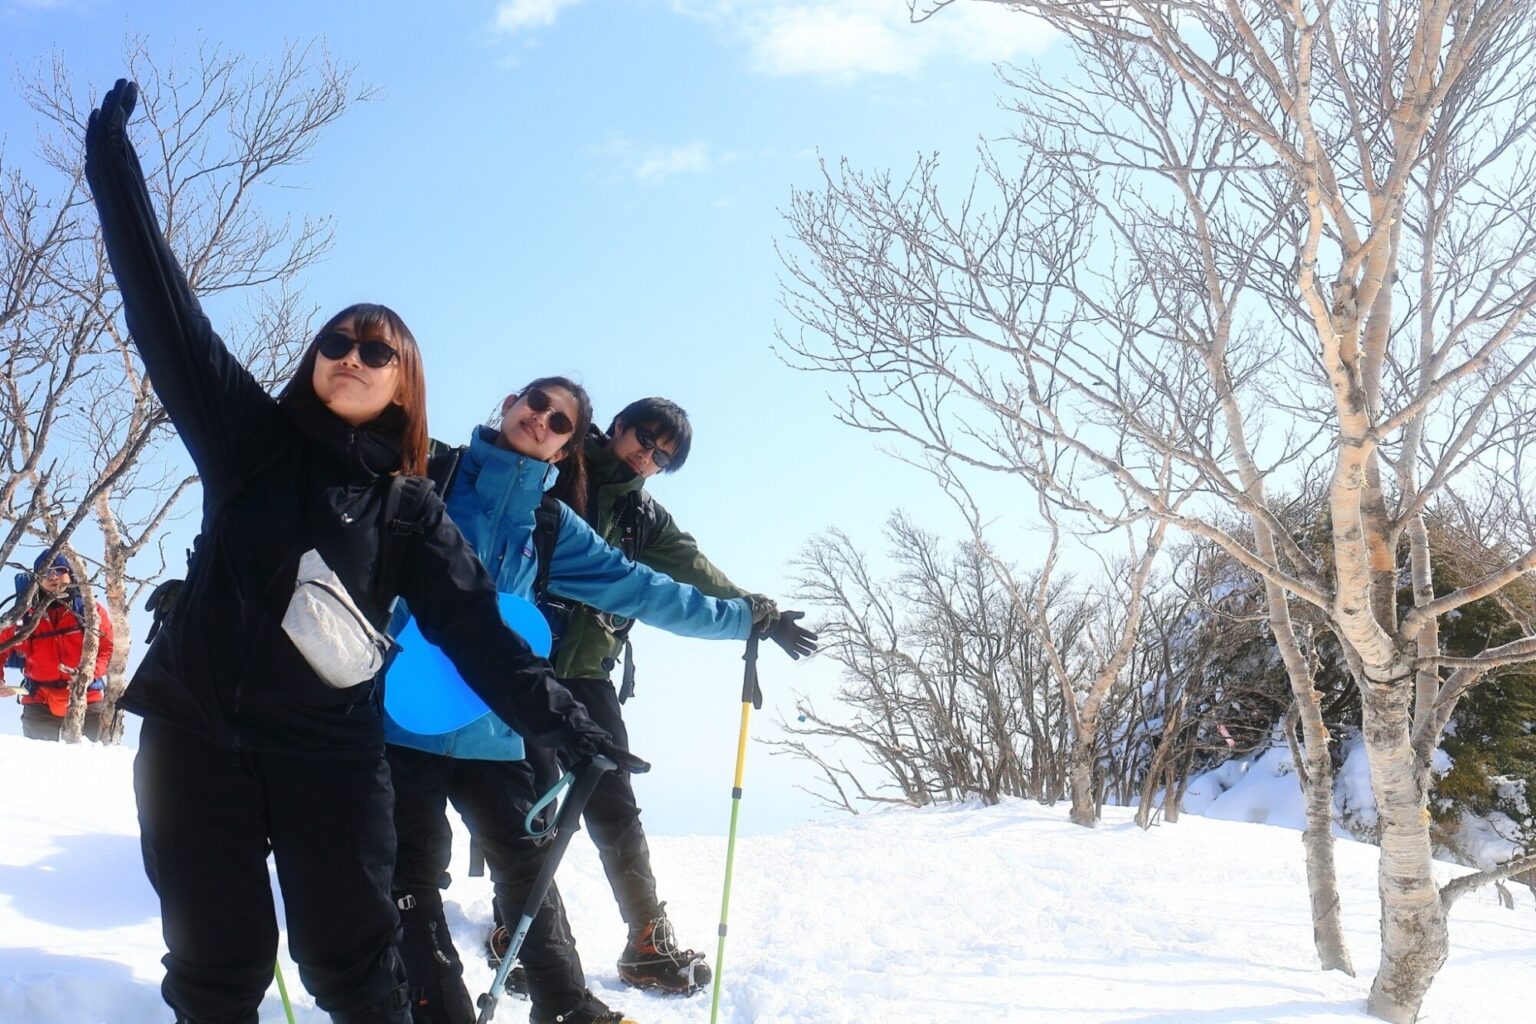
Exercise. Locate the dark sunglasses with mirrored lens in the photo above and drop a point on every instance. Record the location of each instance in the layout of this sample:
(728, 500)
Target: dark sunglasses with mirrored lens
(647, 440)
(376, 354)
(539, 401)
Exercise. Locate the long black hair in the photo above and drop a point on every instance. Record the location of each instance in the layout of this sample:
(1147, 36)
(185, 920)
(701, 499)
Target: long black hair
(571, 487)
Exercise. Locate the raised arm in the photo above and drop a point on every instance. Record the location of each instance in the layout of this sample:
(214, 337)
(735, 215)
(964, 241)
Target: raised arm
(585, 569)
(218, 409)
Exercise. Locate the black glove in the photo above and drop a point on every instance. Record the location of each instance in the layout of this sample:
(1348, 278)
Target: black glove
(588, 745)
(788, 634)
(108, 124)
(764, 611)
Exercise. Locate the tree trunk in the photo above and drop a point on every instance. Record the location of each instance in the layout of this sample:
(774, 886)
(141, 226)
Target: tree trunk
(115, 591)
(1315, 768)
(1173, 792)
(1317, 845)
(1161, 766)
(1414, 937)
(1084, 811)
(73, 727)
(117, 674)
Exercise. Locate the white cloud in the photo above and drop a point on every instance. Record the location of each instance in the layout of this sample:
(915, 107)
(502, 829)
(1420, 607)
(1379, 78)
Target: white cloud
(844, 38)
(513, 16)
(821, 40)
(690, 159)
(654, 164)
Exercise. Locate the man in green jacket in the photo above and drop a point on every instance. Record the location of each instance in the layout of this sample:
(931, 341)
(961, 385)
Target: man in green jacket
(649, 436)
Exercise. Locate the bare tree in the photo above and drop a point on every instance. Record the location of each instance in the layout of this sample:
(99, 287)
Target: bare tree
(83, 428)
(1271, 242)
(946, 690)
(1114, 606)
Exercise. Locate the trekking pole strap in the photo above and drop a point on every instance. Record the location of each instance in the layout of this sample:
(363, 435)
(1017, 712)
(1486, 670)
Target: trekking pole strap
(543, 802)
(751, 693)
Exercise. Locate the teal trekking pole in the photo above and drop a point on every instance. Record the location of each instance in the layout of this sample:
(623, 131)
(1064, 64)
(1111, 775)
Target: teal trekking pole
(586, 780)
(751, 697)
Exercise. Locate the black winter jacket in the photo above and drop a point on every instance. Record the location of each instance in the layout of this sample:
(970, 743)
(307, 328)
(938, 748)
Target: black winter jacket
(277, 481)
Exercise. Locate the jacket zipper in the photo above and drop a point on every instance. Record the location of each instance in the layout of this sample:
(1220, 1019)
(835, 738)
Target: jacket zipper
(501, 510)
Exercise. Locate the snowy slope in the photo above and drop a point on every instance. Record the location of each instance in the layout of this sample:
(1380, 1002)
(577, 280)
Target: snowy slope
(960, 914)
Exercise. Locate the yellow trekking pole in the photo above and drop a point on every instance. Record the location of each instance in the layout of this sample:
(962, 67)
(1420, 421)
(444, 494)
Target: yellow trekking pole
(751, 697)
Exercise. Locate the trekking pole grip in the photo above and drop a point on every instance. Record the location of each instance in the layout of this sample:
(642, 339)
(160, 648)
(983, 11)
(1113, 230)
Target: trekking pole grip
(750, 691)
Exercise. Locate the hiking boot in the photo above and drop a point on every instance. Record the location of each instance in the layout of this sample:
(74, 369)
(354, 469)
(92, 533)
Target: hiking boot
(652, 959)
(436, 993)
(496, 946)
(591, 1010)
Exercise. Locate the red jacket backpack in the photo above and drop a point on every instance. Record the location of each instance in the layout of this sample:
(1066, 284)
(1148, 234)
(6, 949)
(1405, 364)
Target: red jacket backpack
(50, 654)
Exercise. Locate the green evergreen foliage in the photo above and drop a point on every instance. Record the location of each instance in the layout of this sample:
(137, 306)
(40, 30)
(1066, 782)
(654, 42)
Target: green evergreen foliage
(1491, 739)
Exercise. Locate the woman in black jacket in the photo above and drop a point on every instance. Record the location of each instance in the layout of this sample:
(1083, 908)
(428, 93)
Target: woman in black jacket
(246, 746)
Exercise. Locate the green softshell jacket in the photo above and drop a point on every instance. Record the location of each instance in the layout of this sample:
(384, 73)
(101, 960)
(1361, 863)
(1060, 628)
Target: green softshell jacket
(589, 648)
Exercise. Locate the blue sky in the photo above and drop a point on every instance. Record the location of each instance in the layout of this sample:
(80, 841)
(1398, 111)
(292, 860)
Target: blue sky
(595, 187)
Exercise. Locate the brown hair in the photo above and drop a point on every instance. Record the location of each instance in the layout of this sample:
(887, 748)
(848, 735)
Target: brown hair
(406, 422)
(571, 487)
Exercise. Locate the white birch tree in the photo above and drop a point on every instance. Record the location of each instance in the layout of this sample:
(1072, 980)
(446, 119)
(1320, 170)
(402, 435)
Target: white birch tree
(1270, 242)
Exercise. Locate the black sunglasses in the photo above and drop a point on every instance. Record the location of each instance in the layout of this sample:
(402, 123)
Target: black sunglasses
(538, 400)
(647, 440)
(376, 354)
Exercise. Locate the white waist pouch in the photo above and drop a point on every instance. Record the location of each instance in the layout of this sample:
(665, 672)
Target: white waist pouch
(326, 626)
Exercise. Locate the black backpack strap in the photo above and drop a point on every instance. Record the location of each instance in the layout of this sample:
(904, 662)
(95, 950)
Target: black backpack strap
(631, 525)
(627, 687)
(546, 531)
(162, 605)
(405, 508)
(476, 858)
(443, 466)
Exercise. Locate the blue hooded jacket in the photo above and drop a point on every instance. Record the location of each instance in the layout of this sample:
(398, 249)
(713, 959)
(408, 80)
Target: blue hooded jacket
(492, 500)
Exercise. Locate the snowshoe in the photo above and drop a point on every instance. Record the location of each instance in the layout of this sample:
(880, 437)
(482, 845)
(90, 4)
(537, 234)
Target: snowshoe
(591, 1010)
(496, 946)
(652, 959)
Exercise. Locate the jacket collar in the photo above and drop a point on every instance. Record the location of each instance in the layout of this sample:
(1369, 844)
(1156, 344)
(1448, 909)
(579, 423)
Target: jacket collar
(498, 472)
(366, 454)
(608, 473)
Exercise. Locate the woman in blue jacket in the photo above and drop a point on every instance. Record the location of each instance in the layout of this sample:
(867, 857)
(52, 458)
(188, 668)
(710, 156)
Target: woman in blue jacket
(494, 495)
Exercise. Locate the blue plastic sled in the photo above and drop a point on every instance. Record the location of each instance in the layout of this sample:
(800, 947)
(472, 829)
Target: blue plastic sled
(424, 692)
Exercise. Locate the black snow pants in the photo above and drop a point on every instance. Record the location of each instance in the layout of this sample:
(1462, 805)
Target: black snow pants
(493, 797)
(207, 818)
(612, 816)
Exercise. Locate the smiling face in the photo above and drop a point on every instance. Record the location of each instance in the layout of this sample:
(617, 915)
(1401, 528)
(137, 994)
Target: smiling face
(530, 430)
(636, 447)
(350, 388)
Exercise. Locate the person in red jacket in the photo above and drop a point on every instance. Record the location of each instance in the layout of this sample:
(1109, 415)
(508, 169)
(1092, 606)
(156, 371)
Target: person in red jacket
(51, 653)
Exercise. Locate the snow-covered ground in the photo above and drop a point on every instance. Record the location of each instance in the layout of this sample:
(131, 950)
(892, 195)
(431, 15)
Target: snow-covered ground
(954, 914)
